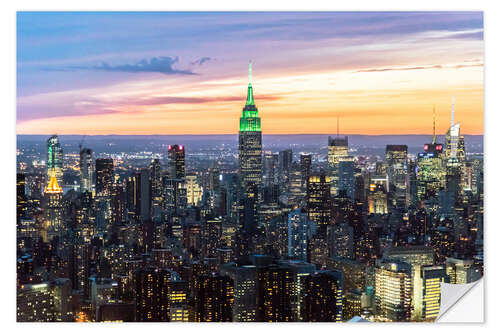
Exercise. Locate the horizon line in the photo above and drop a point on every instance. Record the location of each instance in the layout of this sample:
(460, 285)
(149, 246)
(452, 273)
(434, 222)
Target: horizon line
(219, 134)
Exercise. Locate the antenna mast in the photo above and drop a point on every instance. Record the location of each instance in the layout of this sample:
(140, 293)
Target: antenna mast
(250, 71)
(452, 110)
(337, 126)
(434, 125)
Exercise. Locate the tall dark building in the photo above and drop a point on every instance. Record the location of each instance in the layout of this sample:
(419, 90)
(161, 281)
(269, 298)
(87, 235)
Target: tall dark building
(144, 195)
(285, 158)
(323, 294)
(250, 141)
(21, 195)
(54, 159)
(270, 168)
(346, 178)
(86, 170)
(274, 295)
(138, 188)
(176, 162)
(104, 176)
(214, 298)
(152, 288)
(396, 157)
(319, 202)
(305, 168)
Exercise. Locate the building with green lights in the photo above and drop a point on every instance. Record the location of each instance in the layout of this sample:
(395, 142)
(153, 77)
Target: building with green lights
(250, 141)
(54, 158)
(250, 160)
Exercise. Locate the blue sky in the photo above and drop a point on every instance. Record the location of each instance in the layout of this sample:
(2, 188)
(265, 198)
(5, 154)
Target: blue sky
(67, 60)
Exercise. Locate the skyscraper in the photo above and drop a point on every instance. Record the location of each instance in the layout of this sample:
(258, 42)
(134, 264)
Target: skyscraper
(345, 172)
(144, 194)
(54, 159)
(250, 140)
(285, 158)
(21, 203)
(305, 168)
(430, 171)
(152, 290)
(104, 176)
(299, 232)
(176, 161)
(214, 298)
(323, 295)
(156, 181)
(393, 292)
(337, 149)
(54, 211)
(86, 170)
(396, 157)
(429, 296)
(250, 159)
(455, 157)
(270, 171)
(318, 201)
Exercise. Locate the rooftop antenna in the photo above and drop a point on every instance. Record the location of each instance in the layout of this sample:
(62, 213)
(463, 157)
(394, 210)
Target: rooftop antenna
(81, 142)
(452, 110)
(250, 71)
(337, 126)
(434, 125)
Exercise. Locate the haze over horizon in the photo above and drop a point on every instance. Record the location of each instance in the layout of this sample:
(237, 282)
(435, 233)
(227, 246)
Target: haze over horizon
(186, 73)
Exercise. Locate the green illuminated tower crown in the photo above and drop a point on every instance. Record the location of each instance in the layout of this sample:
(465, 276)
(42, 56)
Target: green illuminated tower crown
(250, 121)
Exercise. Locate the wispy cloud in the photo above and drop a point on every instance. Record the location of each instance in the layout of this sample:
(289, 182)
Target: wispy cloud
(411, 68)
(201, 61)
(398, 69)
(163, 65)
(162, 100)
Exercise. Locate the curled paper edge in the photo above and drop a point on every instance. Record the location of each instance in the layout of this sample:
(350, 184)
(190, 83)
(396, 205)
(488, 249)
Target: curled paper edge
(453, 298)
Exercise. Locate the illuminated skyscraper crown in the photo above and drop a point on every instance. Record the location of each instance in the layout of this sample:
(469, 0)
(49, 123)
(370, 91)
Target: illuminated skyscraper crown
(250, 121)
(53, 186)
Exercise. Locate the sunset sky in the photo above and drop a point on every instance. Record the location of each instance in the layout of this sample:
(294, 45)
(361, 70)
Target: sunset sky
(187, 73)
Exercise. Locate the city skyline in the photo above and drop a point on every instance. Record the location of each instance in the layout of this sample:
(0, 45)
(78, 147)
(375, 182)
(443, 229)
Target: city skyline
(224, 228)
(364, 70)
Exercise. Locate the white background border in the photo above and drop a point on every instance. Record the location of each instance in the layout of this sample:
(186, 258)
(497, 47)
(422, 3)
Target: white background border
(8, 126)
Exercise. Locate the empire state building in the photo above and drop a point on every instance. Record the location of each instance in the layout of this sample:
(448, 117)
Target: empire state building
(250, 141)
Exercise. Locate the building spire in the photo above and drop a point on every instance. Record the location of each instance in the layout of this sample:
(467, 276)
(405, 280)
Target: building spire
(250, 72)
(434, 125)
(250, 89)
(452, 111)
(337, 126)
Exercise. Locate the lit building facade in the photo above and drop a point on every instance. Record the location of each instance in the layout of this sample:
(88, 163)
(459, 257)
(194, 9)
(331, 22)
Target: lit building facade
(176, 161)
(427, 304)
(430, 171)
(55, 158)
(396, 157)
(214, 298)
(337, 149)
(318, 201)
(323, 297)
(299, 232)
(152, 288)
(104, 176)
(54, 207)
(194, 191)
(86, 170)
(377, 199)
(250, 141)
(393, 291)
